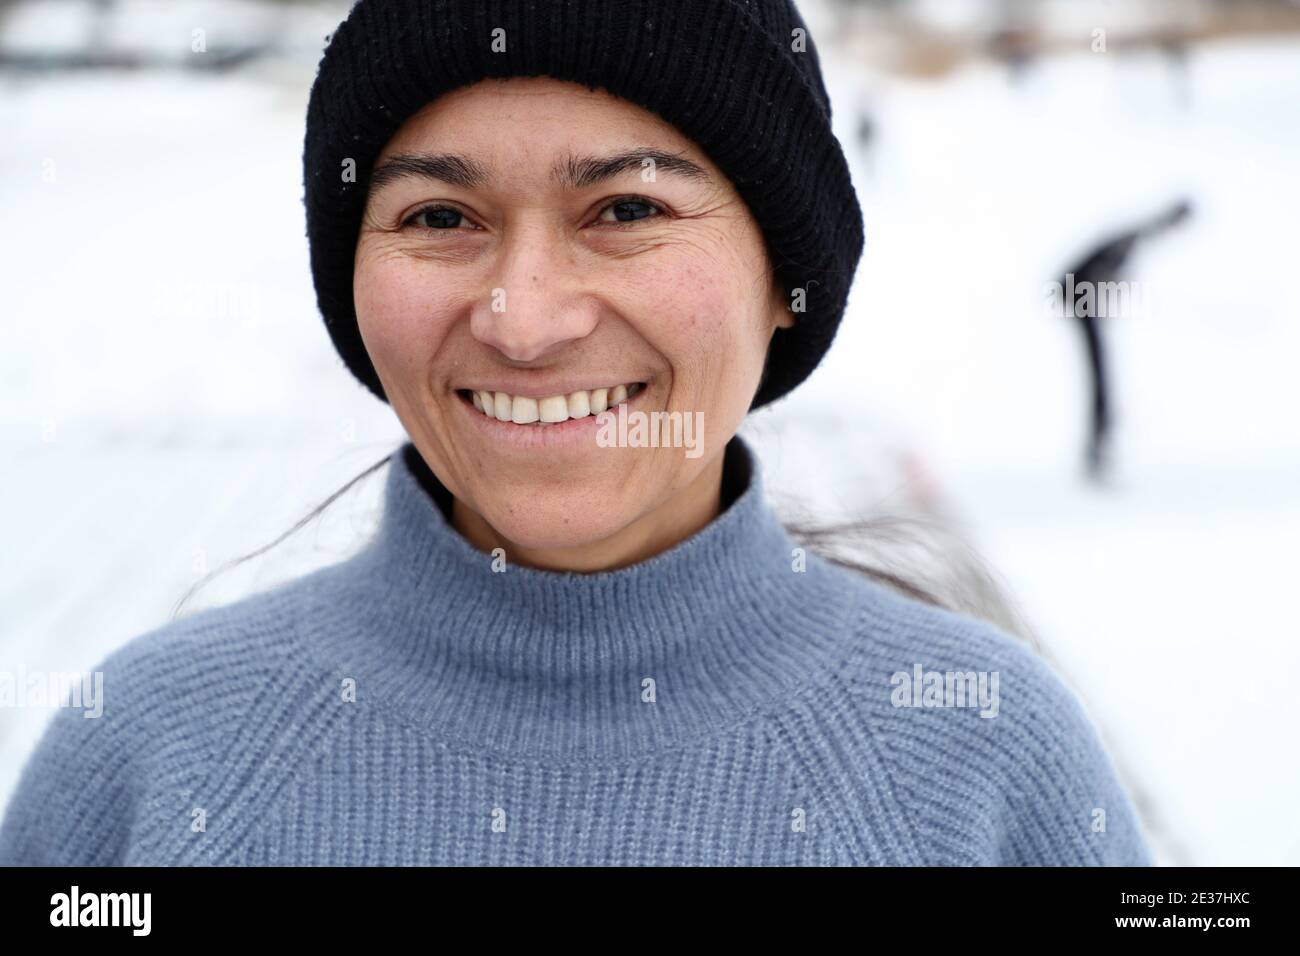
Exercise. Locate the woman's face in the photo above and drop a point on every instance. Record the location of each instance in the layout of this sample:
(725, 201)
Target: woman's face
(502, 252)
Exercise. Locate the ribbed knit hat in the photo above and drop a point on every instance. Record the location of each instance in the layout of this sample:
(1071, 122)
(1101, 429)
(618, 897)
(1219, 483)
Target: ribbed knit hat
(741, 78)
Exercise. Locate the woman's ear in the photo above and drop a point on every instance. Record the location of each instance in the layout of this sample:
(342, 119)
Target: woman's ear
(782, 317)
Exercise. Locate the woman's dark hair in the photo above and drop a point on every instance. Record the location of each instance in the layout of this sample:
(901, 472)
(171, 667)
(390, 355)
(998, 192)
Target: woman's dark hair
(920, 555)
(297, 526)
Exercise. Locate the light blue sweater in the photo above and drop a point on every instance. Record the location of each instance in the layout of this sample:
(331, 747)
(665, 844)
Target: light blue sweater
(711, 705)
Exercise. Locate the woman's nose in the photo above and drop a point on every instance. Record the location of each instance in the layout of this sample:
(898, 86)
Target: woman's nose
(538, 302)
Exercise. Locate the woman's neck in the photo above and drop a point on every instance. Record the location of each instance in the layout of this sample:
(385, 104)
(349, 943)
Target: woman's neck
(673, 521)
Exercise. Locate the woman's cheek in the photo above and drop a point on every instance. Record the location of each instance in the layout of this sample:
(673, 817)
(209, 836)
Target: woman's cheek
(691, 303)
(397, 315)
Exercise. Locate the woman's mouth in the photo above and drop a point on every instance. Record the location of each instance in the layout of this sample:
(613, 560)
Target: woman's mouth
(554, 410)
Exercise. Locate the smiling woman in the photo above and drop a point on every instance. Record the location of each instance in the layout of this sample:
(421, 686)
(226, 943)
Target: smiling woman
(559, 648)
(548, 300)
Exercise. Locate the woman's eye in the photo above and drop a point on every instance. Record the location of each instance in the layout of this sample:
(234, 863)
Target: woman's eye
(630, 210)
(447, 218)
(435, 217)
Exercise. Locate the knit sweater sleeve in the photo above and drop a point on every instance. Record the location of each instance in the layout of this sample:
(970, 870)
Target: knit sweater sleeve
(1024, 782)
(1064, 803)
(75, 800)
(126, 786)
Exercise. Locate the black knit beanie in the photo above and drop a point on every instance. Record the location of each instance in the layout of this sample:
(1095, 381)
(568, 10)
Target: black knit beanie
(740, 78)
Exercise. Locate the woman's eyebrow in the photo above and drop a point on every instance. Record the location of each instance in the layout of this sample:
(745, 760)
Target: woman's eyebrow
(578, 172)
(575, 172)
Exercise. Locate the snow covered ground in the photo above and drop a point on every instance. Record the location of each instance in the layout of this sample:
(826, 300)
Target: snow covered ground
(169, 399)
(1167, 599)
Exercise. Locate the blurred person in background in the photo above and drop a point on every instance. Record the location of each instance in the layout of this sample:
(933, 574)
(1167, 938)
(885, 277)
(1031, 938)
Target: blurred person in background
(1088, 285)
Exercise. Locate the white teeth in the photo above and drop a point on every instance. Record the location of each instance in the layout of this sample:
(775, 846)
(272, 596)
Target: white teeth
(553, 409)
(523, 410)
(579, 404)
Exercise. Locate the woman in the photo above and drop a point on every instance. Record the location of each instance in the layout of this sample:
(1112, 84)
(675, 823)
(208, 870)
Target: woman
(531, 231)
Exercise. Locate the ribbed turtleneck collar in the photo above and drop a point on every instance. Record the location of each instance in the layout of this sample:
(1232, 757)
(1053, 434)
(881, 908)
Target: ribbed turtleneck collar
(555, 663)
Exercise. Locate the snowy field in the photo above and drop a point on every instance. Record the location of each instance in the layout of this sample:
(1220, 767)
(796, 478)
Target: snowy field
(169, 399)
